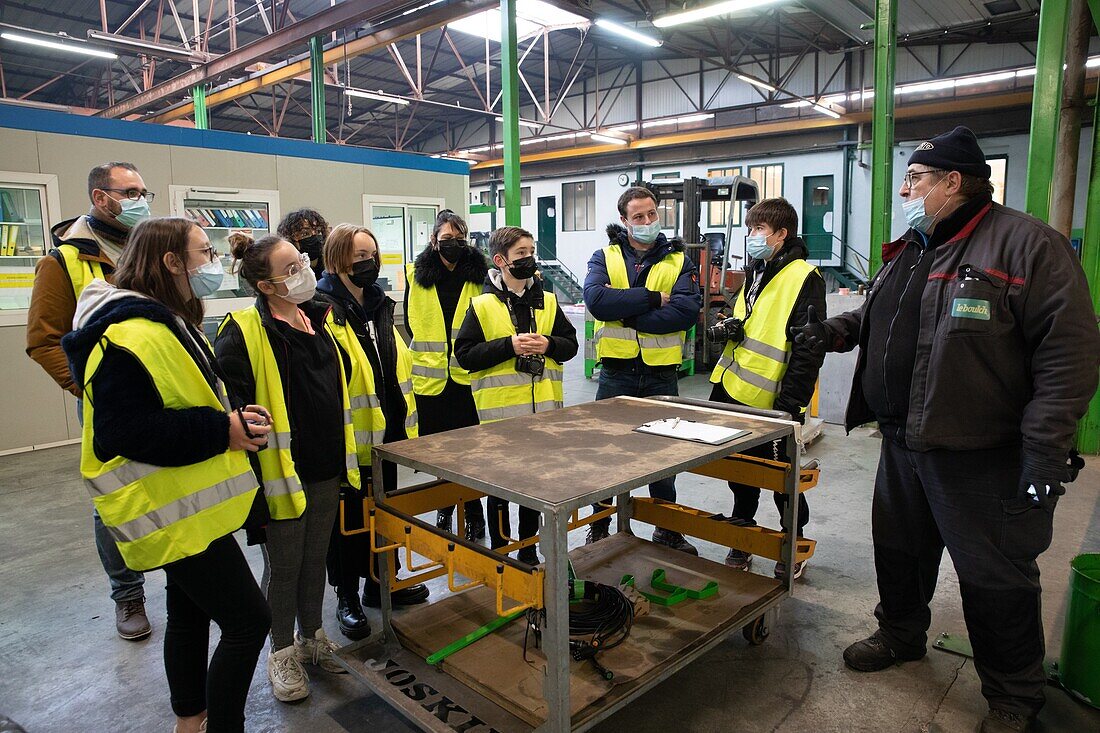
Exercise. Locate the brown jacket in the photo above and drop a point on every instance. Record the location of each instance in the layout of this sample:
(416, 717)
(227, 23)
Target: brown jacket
(53, 301)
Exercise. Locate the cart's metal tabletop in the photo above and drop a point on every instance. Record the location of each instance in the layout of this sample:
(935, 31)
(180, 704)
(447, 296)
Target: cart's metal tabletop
(567, 458)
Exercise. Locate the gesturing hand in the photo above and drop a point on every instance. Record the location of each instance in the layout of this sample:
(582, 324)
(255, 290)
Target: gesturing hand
(813, 336)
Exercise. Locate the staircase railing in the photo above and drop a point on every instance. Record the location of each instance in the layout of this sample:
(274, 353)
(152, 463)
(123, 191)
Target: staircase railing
(545, 256)
(838, 252)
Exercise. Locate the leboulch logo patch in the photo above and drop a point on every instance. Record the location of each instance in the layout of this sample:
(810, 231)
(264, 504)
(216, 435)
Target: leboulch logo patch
(970, 308)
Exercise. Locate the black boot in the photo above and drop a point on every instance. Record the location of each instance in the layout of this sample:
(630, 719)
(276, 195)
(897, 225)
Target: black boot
(349, 614)
(410, 596)
(443, 519)
(475, 528)
(874, 654)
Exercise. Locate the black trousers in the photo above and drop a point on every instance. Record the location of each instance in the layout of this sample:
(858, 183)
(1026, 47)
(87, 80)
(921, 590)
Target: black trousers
(966, 501)
(499, 515)
(217, 586)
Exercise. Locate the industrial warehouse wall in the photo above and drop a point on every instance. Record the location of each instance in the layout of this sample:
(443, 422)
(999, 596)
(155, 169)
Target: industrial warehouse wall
(574, 248)
(35, 411)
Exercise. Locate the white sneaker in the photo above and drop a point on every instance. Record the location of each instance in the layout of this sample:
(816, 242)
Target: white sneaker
(289, 682)
(319, 651)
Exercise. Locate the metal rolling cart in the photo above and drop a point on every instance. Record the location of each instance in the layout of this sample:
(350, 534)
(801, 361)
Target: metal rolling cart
(560, 463)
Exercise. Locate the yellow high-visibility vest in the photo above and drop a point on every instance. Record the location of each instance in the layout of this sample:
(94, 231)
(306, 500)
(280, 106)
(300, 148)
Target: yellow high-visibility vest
(286, 497)
(752, 371)
(617, 341)
(161, 514)
(81, 272)
(501, 392)
(366, 410)
(433, 360)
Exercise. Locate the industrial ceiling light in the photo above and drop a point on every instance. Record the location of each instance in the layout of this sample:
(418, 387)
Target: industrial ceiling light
(685, 119)
(709, 11)
(136, 45)
(756, 82)
(607, 139)
(525, 123)
(622, 30)
(377, 96)
(826, 111)
(45, 41)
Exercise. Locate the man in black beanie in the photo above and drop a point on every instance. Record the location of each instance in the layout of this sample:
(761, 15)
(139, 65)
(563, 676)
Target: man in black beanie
(978, 355)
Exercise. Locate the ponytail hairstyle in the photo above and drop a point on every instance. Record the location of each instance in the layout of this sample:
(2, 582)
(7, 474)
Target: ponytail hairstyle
(446, 216)
(252, 258)
(141, 266)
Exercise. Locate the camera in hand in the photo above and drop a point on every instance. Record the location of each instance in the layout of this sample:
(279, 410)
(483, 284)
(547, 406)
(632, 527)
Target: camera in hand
(727, 329)
(533, 364)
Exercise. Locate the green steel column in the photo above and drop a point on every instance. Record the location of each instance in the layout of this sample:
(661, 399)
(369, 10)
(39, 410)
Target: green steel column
(317, 88)
(1088, 430)
(1046, 105)
(202, 115)
(509, 71)
(882, 130)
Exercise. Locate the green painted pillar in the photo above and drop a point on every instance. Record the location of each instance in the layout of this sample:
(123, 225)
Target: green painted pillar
(317, 88)
(1088, 430)
(509, 70)
(882, 129)
(202, 115)
(1046, 106)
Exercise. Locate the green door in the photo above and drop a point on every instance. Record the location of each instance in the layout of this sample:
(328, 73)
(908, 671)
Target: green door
(817, 216)
(548, 228)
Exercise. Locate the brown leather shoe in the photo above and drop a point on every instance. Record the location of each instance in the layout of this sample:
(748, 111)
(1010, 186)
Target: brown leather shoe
(130, 619)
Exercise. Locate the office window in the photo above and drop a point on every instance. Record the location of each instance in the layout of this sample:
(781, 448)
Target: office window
(578, 206)
(672, 176)
(668, 213)
(718, 211)
(769, 178)
(486, 198)
(999, 164)
(524, 197)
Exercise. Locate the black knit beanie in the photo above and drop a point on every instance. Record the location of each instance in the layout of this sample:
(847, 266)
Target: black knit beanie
(957, 150)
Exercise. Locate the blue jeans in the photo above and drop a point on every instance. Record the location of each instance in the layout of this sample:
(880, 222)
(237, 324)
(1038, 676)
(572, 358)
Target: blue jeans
(126, 584)
(640, 382)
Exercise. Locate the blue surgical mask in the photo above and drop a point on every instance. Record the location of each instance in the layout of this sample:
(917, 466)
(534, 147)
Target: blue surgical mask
(917, 216)
(132, 211)
(207, 279)
(645, 233)
(757, 247)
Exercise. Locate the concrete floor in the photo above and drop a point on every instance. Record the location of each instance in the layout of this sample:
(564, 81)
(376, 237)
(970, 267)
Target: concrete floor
(66, 670)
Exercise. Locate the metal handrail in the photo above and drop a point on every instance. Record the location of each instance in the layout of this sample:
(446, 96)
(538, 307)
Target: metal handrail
(555, 261)
(862, 263)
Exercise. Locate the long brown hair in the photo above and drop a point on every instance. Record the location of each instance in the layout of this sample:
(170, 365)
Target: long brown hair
(340, 247)
(141, 267)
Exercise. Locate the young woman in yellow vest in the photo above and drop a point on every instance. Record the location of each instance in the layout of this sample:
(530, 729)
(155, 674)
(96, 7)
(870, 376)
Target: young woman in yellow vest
(513, 342)
(438, 289)
(760, 365)
(383, 408)
(164, 458)
(279, 352)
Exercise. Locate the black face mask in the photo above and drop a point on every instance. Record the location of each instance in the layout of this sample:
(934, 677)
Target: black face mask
(364, 273)
(312, 246)
(523, 268)
(452, 249)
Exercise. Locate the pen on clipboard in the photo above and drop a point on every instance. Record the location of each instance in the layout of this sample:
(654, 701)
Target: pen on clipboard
(675, 422)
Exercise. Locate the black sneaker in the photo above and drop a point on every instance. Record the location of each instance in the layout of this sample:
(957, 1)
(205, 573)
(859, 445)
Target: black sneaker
(675, 540)
(528, 555)
(873, 654)
(597, 532)
(410, 596)
(739, 559)
(443, 521)
(1002, 721)
(349, 614)
(475, 529)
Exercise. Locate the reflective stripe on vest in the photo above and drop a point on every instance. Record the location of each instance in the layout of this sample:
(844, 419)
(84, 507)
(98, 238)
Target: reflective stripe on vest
(286, 497)
(500, 392)
(752, 372)
(367, 418)
(81, 272)
(617, 341)
(433, 362)
(158, 515)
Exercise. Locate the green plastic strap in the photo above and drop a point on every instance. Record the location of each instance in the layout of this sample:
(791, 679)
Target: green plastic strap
(679, 595)
(658, 582)
(473, 636)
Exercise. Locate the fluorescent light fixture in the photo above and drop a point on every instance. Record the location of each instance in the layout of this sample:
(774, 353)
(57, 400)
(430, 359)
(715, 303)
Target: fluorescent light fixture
(1031, 71)
(441, 156)
(709, 11)
(756, 82)
(685, 119)
(970, 81)
(928, 86)
(525, 123)
(625, 32)
(136, 45)
(377, 96)
(532, 16)
(623, 128)
(607, 139)
(1090, 64)
(826, 111)
(71, 47)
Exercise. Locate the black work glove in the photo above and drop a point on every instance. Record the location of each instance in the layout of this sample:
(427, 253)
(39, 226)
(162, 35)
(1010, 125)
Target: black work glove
(814, 337)
(1041, 480)
(736, 328)
(795, 411)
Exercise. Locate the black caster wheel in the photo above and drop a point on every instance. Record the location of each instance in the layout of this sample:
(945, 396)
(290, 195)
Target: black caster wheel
(756, 632)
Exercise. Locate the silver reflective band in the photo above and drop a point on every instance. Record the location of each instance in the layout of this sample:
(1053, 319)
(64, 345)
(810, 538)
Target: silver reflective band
(429, 372)
(122, 476)
(282, 486)
(661, 341)
(369, 437)
(616, 332)
(279, 441)
(454, 334)
(747, 376)
(765, 350)
(429, 346)
(406, 387)
(410, 420)
(351, 461)
(365, 400)
(515, 379)
(183, 507)
(547, 406)
(503, 413)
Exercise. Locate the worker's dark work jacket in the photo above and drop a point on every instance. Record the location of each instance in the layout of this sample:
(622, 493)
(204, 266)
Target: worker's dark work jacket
(636, 306)
(1007, 347)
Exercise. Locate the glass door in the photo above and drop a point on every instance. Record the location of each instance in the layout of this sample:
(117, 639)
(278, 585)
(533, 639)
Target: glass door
(403, 228)
(24, 234)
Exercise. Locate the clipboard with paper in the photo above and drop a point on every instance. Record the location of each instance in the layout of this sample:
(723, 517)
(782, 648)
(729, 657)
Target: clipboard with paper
(699, 432)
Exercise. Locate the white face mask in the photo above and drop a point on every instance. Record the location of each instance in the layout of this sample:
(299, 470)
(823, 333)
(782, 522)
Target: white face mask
(300, 286)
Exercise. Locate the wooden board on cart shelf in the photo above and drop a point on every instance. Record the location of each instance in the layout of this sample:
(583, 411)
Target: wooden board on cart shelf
(574, 451)
(495, 668)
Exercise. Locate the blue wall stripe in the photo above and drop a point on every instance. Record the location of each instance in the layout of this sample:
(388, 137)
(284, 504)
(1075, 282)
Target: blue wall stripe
(40, 120)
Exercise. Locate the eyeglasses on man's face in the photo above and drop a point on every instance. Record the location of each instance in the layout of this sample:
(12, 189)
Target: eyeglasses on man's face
(912, 176)
(134, 193)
